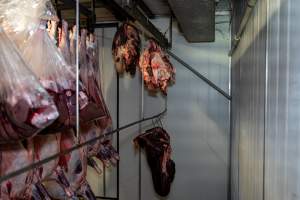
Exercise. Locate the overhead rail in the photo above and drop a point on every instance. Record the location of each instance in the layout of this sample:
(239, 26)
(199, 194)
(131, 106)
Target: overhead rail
(78, 146)
(134, 14)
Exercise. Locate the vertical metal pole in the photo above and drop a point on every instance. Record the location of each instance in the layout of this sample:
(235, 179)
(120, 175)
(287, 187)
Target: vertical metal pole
(140, 131)
(77, 70)
(93, 17)
(104, 169)
(171, 31)
(118, 135)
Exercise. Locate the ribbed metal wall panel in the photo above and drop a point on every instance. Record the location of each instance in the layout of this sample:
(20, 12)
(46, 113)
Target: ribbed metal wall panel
(266, 105)
(283, 102)
(248, 105)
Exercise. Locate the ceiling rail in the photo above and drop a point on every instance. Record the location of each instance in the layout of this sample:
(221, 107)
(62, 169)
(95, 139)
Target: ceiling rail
(134, 14)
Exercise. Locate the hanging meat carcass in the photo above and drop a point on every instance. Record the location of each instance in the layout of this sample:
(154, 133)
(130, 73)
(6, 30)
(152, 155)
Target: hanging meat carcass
(101, 149)
(72, 38)
(74, 166)
(156, 68)
(96, 108)
(56, 77)
(64, 42)
(106, 153)
(126, 48)
(20, 18)
(14, 157)
(25, 107)
(156, 143)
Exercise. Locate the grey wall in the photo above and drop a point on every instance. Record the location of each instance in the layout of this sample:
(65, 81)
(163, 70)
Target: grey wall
(265, 85)
(197, 120)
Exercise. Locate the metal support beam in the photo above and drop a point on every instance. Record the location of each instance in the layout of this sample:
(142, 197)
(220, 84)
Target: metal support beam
(145, 8)
(144, 21)
(211, 84)
(72, 5)
(127, 13)
(106, 25)
(117, 10)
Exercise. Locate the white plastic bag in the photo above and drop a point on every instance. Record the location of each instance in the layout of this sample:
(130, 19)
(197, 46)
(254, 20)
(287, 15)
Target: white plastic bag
(25, 106)
(19, 18)
(55, 75)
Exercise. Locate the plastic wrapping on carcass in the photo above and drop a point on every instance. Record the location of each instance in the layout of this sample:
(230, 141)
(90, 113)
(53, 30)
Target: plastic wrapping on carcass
(96, 108)
(55, 76)
(126, 48)
(21, 17)
(25, 107)
(157, 70)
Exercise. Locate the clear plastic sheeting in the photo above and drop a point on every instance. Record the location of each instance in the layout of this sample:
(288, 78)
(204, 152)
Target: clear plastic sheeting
(19, 18)
(25, 106)
(55, 76)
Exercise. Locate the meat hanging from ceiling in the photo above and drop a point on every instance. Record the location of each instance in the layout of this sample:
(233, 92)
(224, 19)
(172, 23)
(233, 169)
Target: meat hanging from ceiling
(25, 106)
(126, 48)
(89, 66)
(156, 143)
(157, 70)
(56, 76)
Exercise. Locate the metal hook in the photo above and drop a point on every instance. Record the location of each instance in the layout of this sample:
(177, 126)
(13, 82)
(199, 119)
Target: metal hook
(160, 121)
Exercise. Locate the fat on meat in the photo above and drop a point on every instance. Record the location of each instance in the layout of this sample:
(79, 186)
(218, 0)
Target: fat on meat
(157, 70)
(126, 48)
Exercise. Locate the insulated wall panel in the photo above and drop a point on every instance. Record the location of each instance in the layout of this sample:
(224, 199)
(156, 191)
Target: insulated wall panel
(282, 176)
(248, 106)
(266, 105)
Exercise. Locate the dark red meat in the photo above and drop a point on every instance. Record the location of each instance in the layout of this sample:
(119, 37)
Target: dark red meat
(25, 107)
(126, 48)
(156, 143)
(156, 68)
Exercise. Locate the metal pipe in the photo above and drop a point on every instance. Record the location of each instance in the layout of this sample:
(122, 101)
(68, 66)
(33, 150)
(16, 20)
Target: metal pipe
(118, 135)
(78, 146)
(211, 84)
(236, 40)
(77, 71)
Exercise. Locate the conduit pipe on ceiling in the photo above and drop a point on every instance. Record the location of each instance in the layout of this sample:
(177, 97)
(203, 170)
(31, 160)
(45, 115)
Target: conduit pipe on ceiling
(236, 40)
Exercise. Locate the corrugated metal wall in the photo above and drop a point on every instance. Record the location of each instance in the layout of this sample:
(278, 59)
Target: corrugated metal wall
(283, 102)
(248, 76)
(266, 105)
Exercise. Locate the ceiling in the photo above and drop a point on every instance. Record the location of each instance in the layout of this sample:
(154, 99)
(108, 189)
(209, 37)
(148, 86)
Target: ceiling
(196, 18)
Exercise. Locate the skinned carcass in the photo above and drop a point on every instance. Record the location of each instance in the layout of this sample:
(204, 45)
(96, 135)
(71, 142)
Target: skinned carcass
(96, 108)
(74, 167)
(63, 44)
(14, 157)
